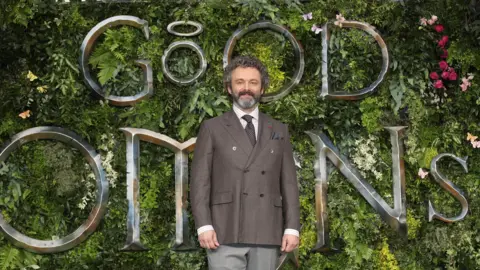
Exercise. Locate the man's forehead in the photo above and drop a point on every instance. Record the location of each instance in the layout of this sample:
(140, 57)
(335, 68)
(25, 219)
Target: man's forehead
(246, 73)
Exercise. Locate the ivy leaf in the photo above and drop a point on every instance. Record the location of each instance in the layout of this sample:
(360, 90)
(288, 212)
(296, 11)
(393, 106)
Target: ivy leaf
(4, 169)
(397, 89)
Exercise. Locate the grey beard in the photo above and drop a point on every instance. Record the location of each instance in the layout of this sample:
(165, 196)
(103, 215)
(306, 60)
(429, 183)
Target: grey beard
(245, 104)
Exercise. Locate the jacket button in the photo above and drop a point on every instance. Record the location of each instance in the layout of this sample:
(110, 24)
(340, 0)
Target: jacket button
(263, 172)
(245, 193)
(245, 171)
(261, 195)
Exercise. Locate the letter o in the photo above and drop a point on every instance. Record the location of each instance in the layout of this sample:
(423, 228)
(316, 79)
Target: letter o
(95, 216)
(299, 57)
(184, 44)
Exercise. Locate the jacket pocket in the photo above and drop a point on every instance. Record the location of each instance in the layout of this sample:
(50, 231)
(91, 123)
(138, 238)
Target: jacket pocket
(222, 197)
(277, 201)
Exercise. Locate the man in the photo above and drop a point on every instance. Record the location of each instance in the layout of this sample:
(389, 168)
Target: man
(244, 192)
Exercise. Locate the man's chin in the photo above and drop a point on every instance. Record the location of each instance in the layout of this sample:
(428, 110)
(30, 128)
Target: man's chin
(246, 104)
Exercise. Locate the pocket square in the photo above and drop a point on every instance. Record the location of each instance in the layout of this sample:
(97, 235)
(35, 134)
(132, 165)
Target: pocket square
(276, 136)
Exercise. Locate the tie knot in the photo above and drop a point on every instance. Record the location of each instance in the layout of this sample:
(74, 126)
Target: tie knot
(247, 118)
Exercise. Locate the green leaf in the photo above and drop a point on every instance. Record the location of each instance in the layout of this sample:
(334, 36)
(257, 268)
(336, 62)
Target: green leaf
(4, 168)
(8, 256)
(106, 73)
(209, 111)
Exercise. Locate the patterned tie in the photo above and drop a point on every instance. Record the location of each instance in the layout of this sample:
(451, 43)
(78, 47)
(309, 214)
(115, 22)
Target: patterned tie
(250, 129)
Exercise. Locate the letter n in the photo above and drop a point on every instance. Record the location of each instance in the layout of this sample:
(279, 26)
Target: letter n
(395, 217)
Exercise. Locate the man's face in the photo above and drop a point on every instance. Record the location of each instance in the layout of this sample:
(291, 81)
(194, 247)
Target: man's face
(246, 88)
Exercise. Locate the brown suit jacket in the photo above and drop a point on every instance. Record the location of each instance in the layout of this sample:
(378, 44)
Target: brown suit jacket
(249, 194)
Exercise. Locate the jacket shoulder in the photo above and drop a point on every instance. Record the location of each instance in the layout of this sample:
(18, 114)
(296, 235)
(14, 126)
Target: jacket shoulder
(215, 120)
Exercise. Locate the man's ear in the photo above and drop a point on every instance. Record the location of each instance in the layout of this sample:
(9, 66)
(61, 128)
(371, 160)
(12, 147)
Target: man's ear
(229, 89)
(262, 91)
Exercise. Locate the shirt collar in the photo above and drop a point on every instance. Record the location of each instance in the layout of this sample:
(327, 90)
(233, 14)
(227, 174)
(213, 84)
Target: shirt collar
(241, 113)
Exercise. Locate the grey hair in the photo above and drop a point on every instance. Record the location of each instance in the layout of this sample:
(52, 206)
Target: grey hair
(245, 62)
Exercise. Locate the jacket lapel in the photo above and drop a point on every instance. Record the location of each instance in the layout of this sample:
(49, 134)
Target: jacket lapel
(263, 138)
(234, 127)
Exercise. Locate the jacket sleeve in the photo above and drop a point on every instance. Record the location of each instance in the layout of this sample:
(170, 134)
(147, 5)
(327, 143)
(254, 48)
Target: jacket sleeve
(289, 187)
(200, 180)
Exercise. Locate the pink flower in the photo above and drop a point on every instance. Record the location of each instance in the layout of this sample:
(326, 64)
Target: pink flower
(423, 21)
(467, 80)
(475, 144)
(340, 20)
(439, 28)
(422, 173)
(452, 76)
(443, 42)
(434, 75)
(444, 55)
(443, 65)
(445, 75)
(316, 29)
(466, 83)
(438, 84)
(307, 16)
(430, 22)
(434, 18)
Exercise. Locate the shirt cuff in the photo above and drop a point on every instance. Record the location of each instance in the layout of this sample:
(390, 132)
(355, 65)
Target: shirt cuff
(204, 229)
(289, 231)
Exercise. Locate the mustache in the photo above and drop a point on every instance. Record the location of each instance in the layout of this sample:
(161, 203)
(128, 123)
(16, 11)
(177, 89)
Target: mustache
(246, 92)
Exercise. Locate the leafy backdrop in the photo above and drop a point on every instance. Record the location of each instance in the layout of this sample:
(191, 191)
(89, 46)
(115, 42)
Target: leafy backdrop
(46, 190)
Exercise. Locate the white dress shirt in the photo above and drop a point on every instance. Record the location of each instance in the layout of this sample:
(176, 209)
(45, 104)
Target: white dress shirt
(239, 114)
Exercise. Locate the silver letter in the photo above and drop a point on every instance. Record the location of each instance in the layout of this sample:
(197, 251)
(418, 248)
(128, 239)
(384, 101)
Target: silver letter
(395, 217)
(134, 135)
(89, 226)
(363, 92)
(297, 48)
(450, 187)
(86, 49)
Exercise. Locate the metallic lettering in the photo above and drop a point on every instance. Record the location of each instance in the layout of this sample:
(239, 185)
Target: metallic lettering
(395, 217)
(95, 216)
(298, 49)
(448, 186)
(87, 47)
(134, 135)
(363, 92)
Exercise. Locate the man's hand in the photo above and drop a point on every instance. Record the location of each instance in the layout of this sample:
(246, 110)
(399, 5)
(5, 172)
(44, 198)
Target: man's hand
(208, 240)
(289, 242)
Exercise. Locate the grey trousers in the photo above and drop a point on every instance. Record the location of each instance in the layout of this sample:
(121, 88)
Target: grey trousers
(243, 257)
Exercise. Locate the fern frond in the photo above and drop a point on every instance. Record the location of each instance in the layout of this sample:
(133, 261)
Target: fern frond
(9, 257)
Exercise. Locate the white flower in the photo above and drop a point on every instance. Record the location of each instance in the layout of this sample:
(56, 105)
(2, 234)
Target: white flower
(365, 156)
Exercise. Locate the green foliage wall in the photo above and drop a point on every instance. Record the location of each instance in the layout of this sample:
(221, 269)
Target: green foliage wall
(46, 191)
